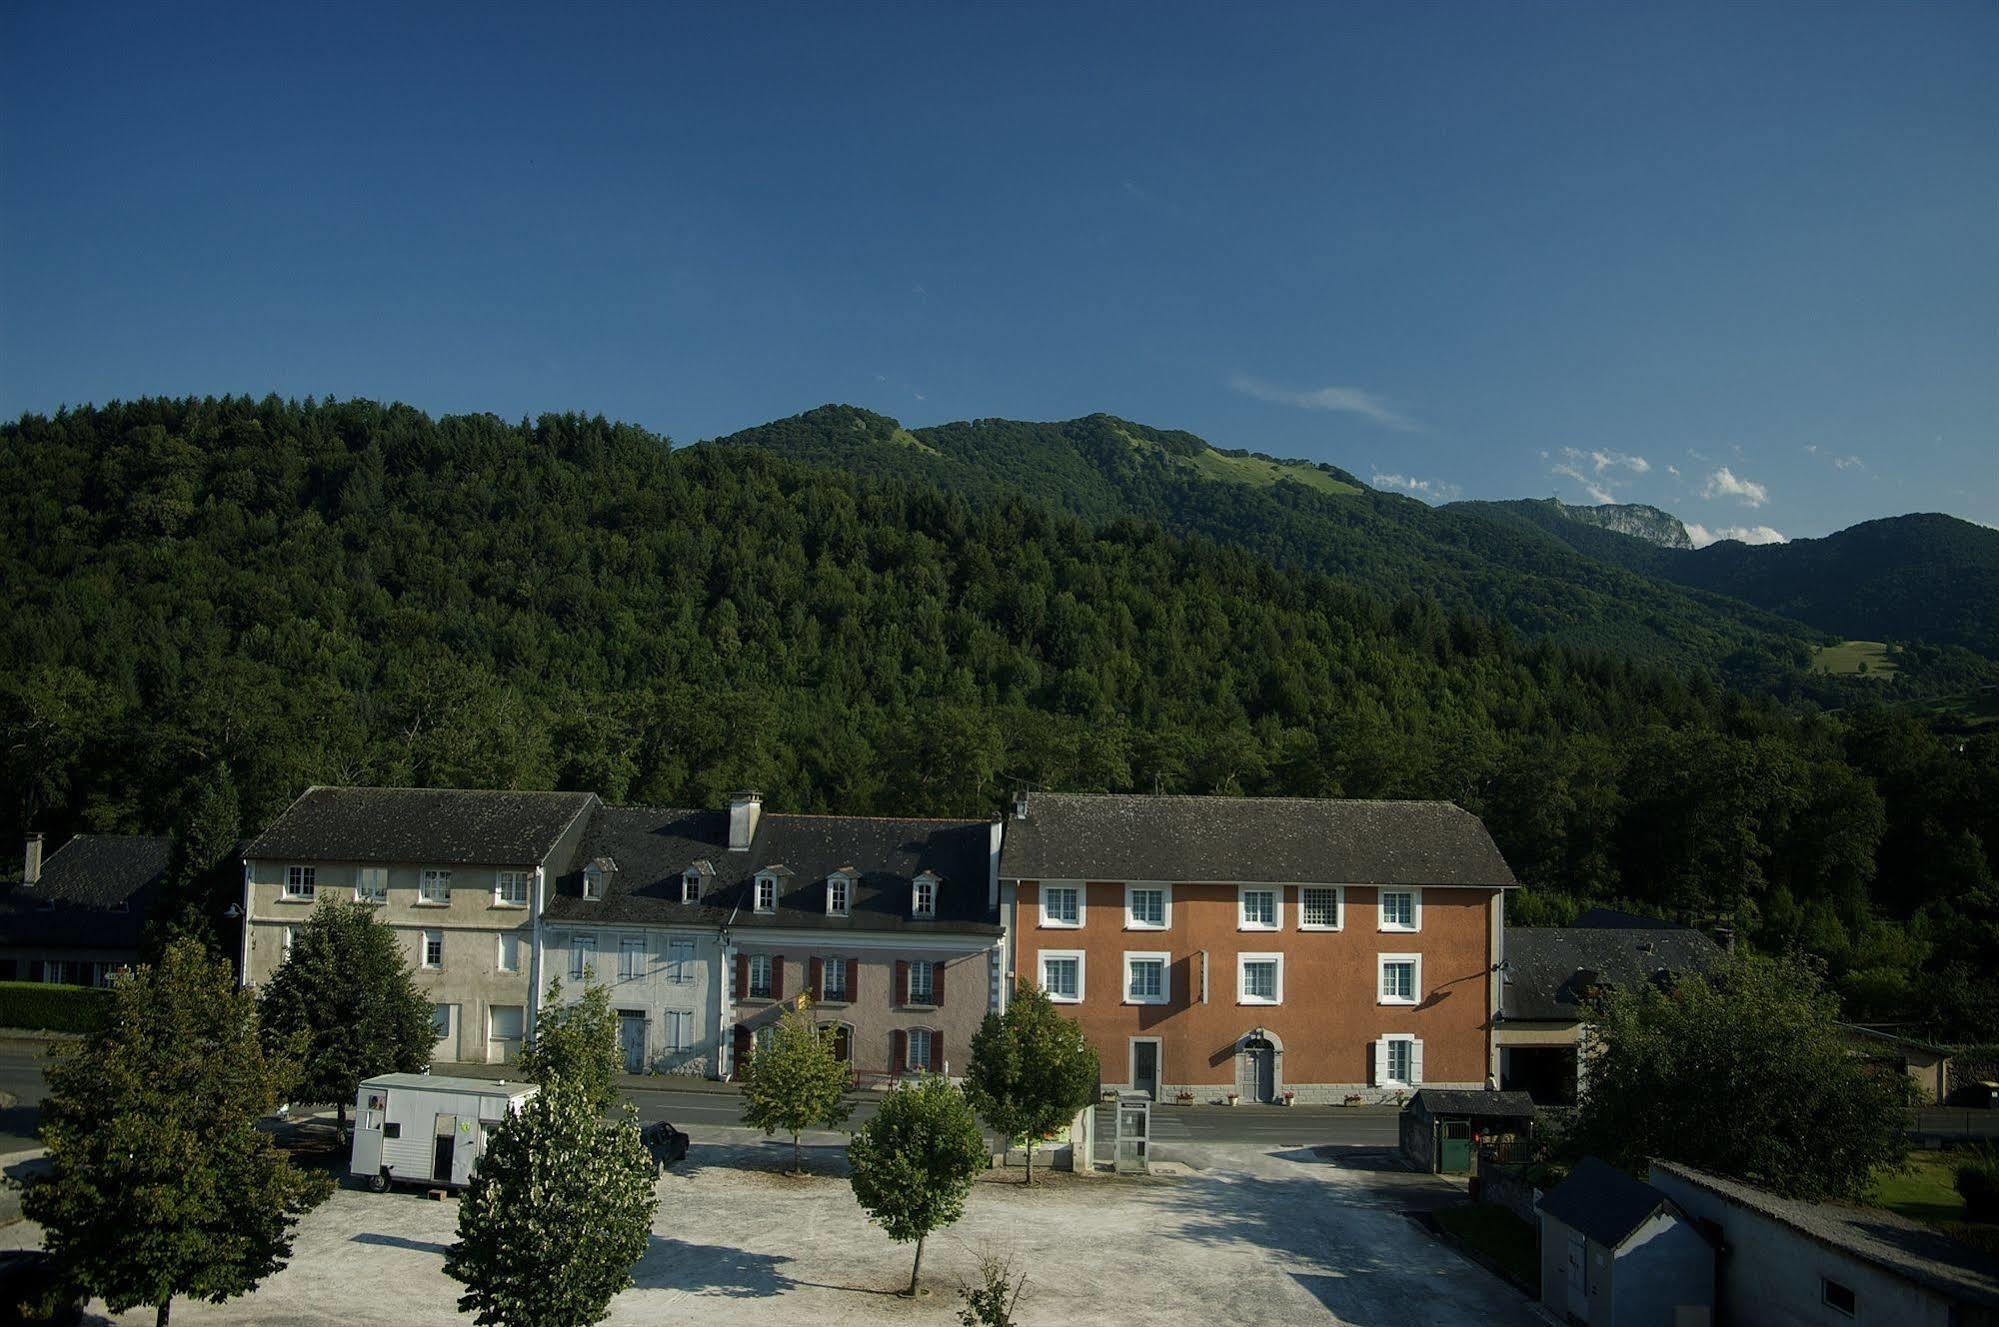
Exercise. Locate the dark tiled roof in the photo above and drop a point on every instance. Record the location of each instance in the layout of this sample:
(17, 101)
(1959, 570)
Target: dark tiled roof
(1602, 1203)
(1436, 1101)
(652, 847)
(440, 826)
(1279, 840)
(1908, 1249)
(88, 877)
(1616, 919)
(1549, 968)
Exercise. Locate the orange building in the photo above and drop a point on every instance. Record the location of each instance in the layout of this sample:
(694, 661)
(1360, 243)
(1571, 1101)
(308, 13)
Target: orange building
(1262, 946)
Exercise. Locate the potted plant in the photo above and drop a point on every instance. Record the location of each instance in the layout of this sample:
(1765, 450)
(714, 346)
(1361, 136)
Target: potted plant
(1234, 1097)
(1353, 1099)
(1184, 1098)
(1289, 1096)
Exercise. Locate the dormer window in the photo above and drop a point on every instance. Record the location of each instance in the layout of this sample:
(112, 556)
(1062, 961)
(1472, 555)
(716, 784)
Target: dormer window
(923, 896)
(766, 899)
(593, 881)
(839, 893)
(690, 887)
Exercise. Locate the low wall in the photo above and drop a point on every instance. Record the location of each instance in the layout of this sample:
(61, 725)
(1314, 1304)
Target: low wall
(1504, 1185)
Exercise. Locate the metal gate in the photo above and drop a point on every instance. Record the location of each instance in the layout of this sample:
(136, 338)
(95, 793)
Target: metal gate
(1256, 1070)
(1454, 1147)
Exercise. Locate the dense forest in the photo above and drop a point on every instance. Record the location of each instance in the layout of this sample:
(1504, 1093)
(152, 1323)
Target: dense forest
(214, 603)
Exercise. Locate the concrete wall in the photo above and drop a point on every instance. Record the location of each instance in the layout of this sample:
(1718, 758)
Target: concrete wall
(1770, 1273)
(1555, 1266)
(1329, 1020)
(693, 988)
(1664, 1269)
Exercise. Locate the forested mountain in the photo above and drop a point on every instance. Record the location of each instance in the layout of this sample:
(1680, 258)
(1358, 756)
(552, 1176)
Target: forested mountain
(1315, 517)
(1634, 520)
(212, 604)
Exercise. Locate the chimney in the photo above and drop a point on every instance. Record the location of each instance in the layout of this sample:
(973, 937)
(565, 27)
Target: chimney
(1020, 805)
(31, 865)
(745, 808)
(1725, 937)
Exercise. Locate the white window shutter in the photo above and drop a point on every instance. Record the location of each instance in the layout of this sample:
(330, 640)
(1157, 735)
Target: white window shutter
(1415, 1063)
(1380, 1061)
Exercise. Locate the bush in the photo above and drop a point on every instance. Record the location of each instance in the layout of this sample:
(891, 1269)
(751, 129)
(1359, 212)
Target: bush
(1978, 1185)
(33, 1004)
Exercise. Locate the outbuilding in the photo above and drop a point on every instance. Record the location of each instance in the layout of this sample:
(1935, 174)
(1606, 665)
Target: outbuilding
(426, 1129)
(1443, 1128)
(1616, 1252)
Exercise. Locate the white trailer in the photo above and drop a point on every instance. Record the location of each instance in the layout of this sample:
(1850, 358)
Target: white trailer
(422, 1129)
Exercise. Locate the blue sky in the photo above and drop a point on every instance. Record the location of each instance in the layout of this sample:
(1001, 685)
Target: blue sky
(1738, 260)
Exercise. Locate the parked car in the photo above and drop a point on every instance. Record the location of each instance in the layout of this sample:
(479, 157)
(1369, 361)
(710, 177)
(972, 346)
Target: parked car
(666, 1143)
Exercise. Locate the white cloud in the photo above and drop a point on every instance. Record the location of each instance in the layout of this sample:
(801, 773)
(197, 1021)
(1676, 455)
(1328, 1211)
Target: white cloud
(1723, 484)
(1601, 461)
(1673, 470)
(1346, 400)
(1431, 490)
(1747, 534)
(1589, 485)
(1848, 463)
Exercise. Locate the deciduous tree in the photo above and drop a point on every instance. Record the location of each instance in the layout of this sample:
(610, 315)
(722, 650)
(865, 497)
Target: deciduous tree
(578, 1044)
(1031, 1070)
(796, 1083)
(915, 1161)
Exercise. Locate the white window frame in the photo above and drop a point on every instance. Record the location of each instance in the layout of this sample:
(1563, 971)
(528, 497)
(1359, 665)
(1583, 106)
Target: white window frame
(1242, 921)
(583, 956)
(914, 1063)
(426, 893)
(1165, 961)
(1387, 1068)
(839, 894)
(1242, 962)
(923, 896)
(680, 960)
(1132, 921)
(690, 886)
(301, 883)
(500, 952)
(593, 882)
(827, 967)
(1381, 995)
(928, 995)
(424, 939)
(371, 884)
(1041, 973)
(1054, 923)
(765, 881)
(631, 957)
(501, 881)
(770, 976)
(1339, 894)
(1415, 911)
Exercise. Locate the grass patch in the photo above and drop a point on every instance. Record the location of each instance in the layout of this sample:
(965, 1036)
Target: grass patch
(1500, 1236)
(1854, 656)
(1924, 1190)
(1262, 472)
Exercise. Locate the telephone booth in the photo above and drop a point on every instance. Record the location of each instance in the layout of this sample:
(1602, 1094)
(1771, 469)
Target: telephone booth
(1133, 1155)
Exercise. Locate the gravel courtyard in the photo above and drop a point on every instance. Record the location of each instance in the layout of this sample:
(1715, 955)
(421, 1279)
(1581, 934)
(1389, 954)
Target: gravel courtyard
(1257, 1235)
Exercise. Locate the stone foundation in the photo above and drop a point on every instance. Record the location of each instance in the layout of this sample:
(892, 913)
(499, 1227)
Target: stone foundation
(1308, 1094)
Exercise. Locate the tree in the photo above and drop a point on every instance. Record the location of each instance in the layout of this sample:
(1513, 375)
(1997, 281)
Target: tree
(1742, 1072)
(160, 1184)
(578, 1044)
(796, 1082)
(1031, 1070)
(559, 1208)
(915, 1161)
(346, 993)
(991, 1302)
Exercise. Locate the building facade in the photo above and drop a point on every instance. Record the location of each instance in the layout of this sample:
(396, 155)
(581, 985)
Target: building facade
(461, 876)
(1327, 950)
(76, 918)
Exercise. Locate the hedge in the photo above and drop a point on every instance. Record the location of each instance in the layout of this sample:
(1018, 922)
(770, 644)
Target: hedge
(33, 1004)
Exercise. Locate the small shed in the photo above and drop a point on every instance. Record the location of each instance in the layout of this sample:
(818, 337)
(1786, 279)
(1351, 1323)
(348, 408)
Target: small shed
(426, 1128)
(1442, 1128)
(1616, 1252)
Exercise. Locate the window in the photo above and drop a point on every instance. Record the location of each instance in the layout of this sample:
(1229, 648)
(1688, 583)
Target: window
(583, 957)
(1401, 978)
(1258, 909)
(760, 975)
(1259, 979)
(833, 979)
(510, 889)
(510, 952)
(1401, 1061)
(690, 887)
(922, 983)
(1838, 1298)
(919, 1048)
(766, 893)
(440, 1020)
(1145, 980)
(371, 884)
(1146, 907)
(504, 1023)
(392, 1129)
(631, 959)
(837, 889)
(433, 886)
(678, 1027)
(680, 961)
(1062, 976)
(1401, 910)
(1319, 909)
(433, 949)
(923, 896)
(1061, 905)
(593, 881)
(301, 881)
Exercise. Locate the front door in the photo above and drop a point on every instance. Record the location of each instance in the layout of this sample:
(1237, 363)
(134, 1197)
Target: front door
(1145, 1068)
(1256, 1070)
(1456, 1158)
(447, 1145)
(632, 1039)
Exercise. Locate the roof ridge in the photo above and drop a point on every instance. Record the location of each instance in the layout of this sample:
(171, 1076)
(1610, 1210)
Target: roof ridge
(1219, 798)
(417, 788)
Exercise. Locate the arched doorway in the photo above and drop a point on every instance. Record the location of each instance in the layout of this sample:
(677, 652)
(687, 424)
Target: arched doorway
(1256, 1068)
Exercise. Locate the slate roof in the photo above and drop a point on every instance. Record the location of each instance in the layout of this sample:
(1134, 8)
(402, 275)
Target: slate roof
(652, 847)
(1436, 1101)
(1549, 967)
(88, 877)
(428, 826)
(1906, 1248)
(1617, 919)
(1253, 840)
(1602, 1203)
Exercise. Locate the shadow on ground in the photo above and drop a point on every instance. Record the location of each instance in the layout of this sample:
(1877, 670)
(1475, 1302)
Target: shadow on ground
(711, 1269)
(772, 1156)
(398, 1242)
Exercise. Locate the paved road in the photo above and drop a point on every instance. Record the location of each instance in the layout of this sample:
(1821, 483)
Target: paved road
(21, 1079)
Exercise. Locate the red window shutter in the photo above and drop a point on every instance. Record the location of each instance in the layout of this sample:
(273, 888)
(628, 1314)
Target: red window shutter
(854, 980)
(899, 1053)
(937, 1049)
(902, 981)
(743, 1044)
(818, 981)
(937, 983)
(742, 977)
(777, 976)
